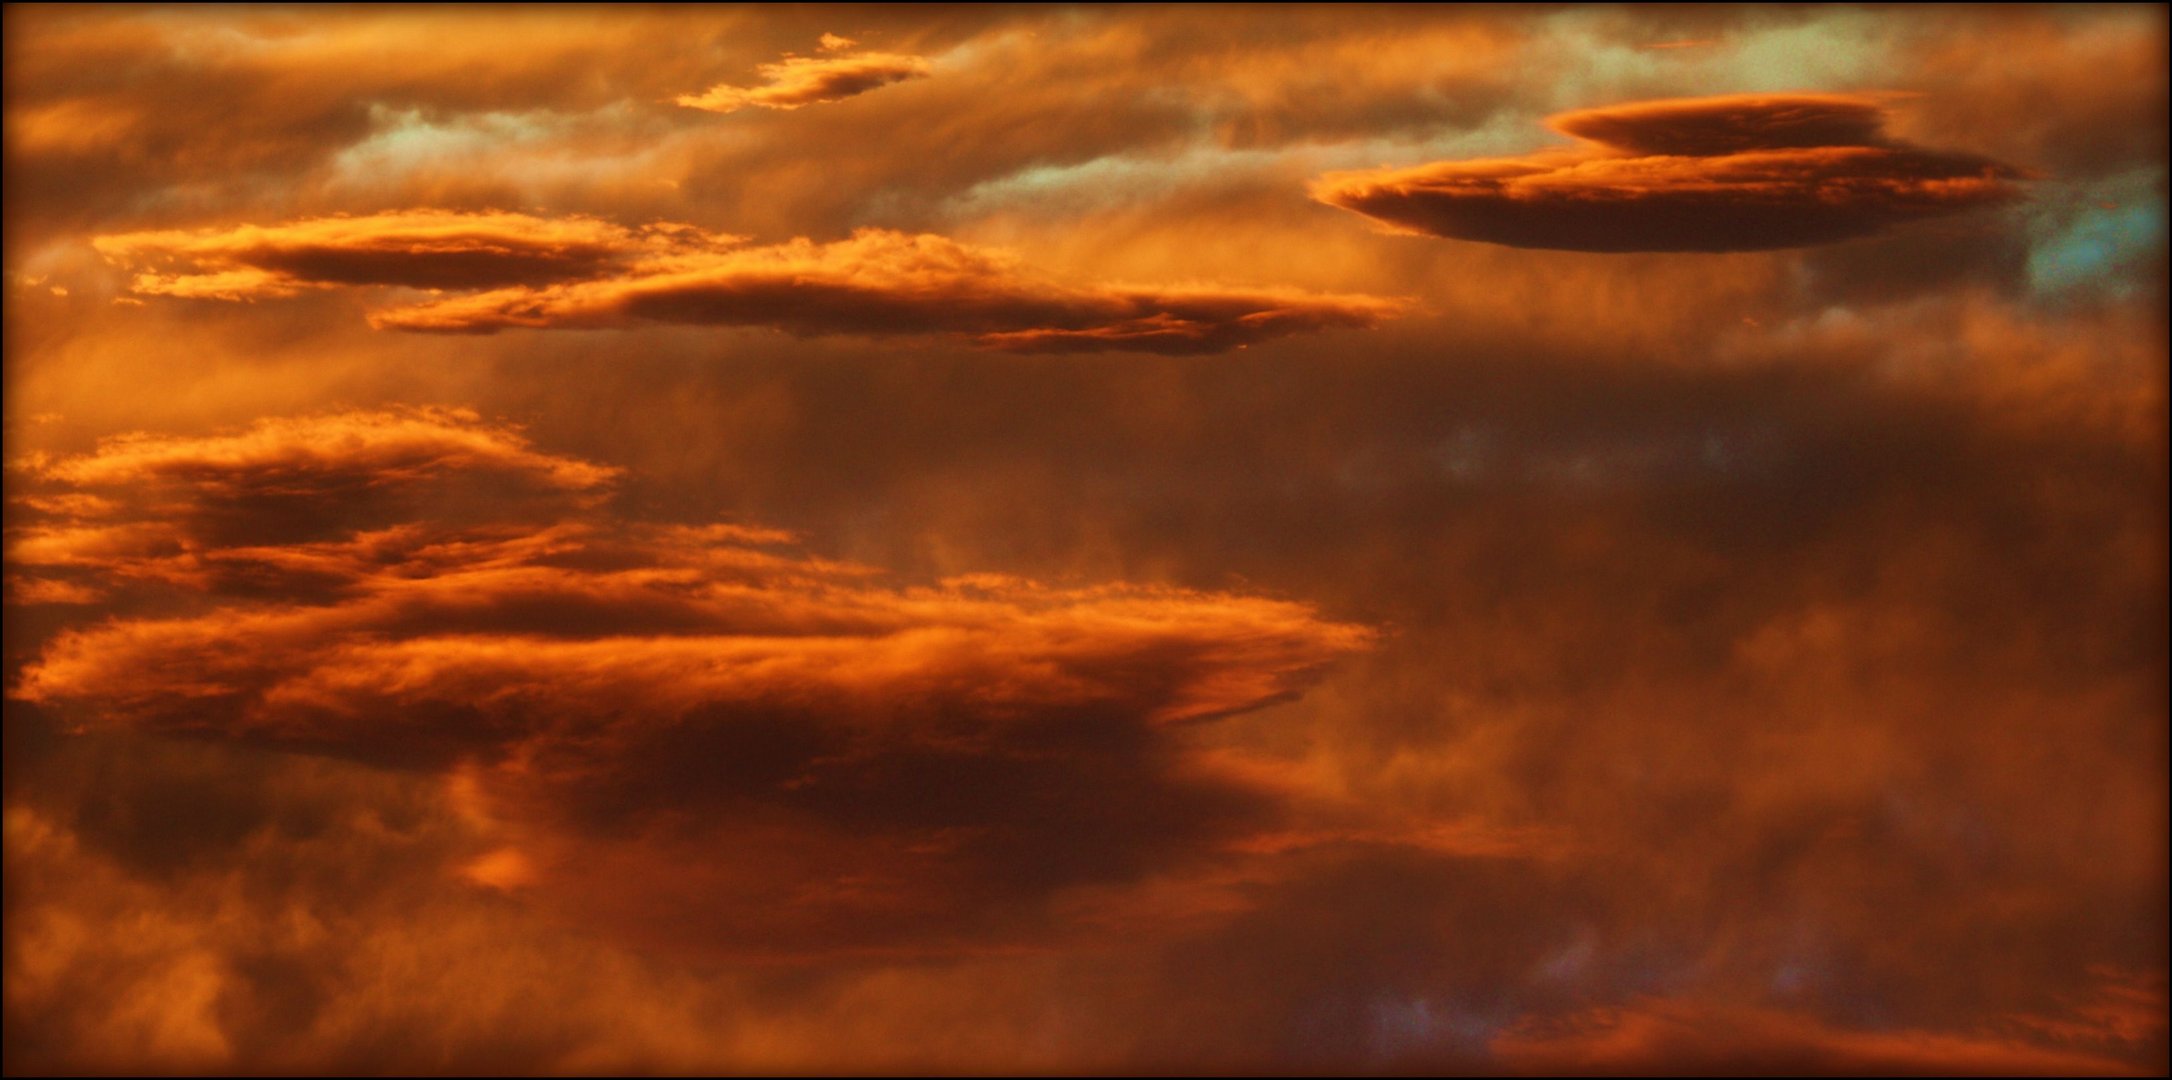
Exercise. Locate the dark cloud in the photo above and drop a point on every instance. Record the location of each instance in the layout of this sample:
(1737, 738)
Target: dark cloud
(881, 283)
(950, 748)
(1770, 659)
(878, 282)
(1564, 542)
(1717, 127)
(1711, 174)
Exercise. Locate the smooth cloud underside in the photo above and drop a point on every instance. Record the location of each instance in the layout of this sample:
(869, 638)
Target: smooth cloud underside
(883, 282)
(316, 457)
(908, 761)
(813, 80)
(584, 274)
(1704, 1038)
(1742, 173)
(420, 249)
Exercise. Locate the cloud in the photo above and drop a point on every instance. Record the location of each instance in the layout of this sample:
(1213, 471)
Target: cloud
(1742, 173)
(962, 747)
(881, 282)
(1700, 1038)
(168, 500)
(419, 249)
(877, 282)
(320, 457)
(813, 80)
(234, 114)
(1716, 127)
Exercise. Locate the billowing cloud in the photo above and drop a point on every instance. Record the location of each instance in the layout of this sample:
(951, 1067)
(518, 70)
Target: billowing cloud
(1742, 173)
(159, 505)
(812, 80)
(971, 744)
(878, 282)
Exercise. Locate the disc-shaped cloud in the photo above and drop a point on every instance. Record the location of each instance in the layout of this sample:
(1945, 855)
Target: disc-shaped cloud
(423, 249)
(1741, 173)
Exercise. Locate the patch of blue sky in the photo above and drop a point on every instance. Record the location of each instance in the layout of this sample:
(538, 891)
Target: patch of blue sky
(2097, 238)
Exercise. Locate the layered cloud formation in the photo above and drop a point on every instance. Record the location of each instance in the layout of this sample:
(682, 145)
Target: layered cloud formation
(878, 283)
(905, 761)
(1742, 173)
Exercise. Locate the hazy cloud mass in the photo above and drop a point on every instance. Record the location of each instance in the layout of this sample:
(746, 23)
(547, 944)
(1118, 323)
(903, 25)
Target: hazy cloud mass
(1107, 540)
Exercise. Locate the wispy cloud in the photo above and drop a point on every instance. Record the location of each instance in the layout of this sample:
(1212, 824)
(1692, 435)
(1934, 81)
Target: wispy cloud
(798, 81)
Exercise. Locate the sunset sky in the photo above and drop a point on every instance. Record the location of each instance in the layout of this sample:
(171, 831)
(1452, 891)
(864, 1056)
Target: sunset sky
(1050, 539)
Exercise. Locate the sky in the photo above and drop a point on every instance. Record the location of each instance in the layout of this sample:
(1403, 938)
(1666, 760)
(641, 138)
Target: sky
(1085, 539)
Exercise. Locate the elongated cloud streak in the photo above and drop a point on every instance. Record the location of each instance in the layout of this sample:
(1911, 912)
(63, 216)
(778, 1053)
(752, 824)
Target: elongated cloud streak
(878, 282)
(812, 80)
(424, 249)
(1705, 1038)
(882, 282)
(322, 457)
(1701, 174)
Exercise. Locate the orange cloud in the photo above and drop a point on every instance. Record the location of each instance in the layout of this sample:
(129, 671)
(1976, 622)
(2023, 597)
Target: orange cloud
(1781, 639)
(979, 741)
(423, 249)
(290, 503)
(1741, 173)
(539, 639)
(878, 282)
(1685, 1037)
(883, 282)
(812, 80)
(323, 456)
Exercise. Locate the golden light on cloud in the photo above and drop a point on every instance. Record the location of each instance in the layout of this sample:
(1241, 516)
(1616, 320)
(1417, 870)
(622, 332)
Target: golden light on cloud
(878, 282)
(1738, 173)
(1116, 540)
(813, 80)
